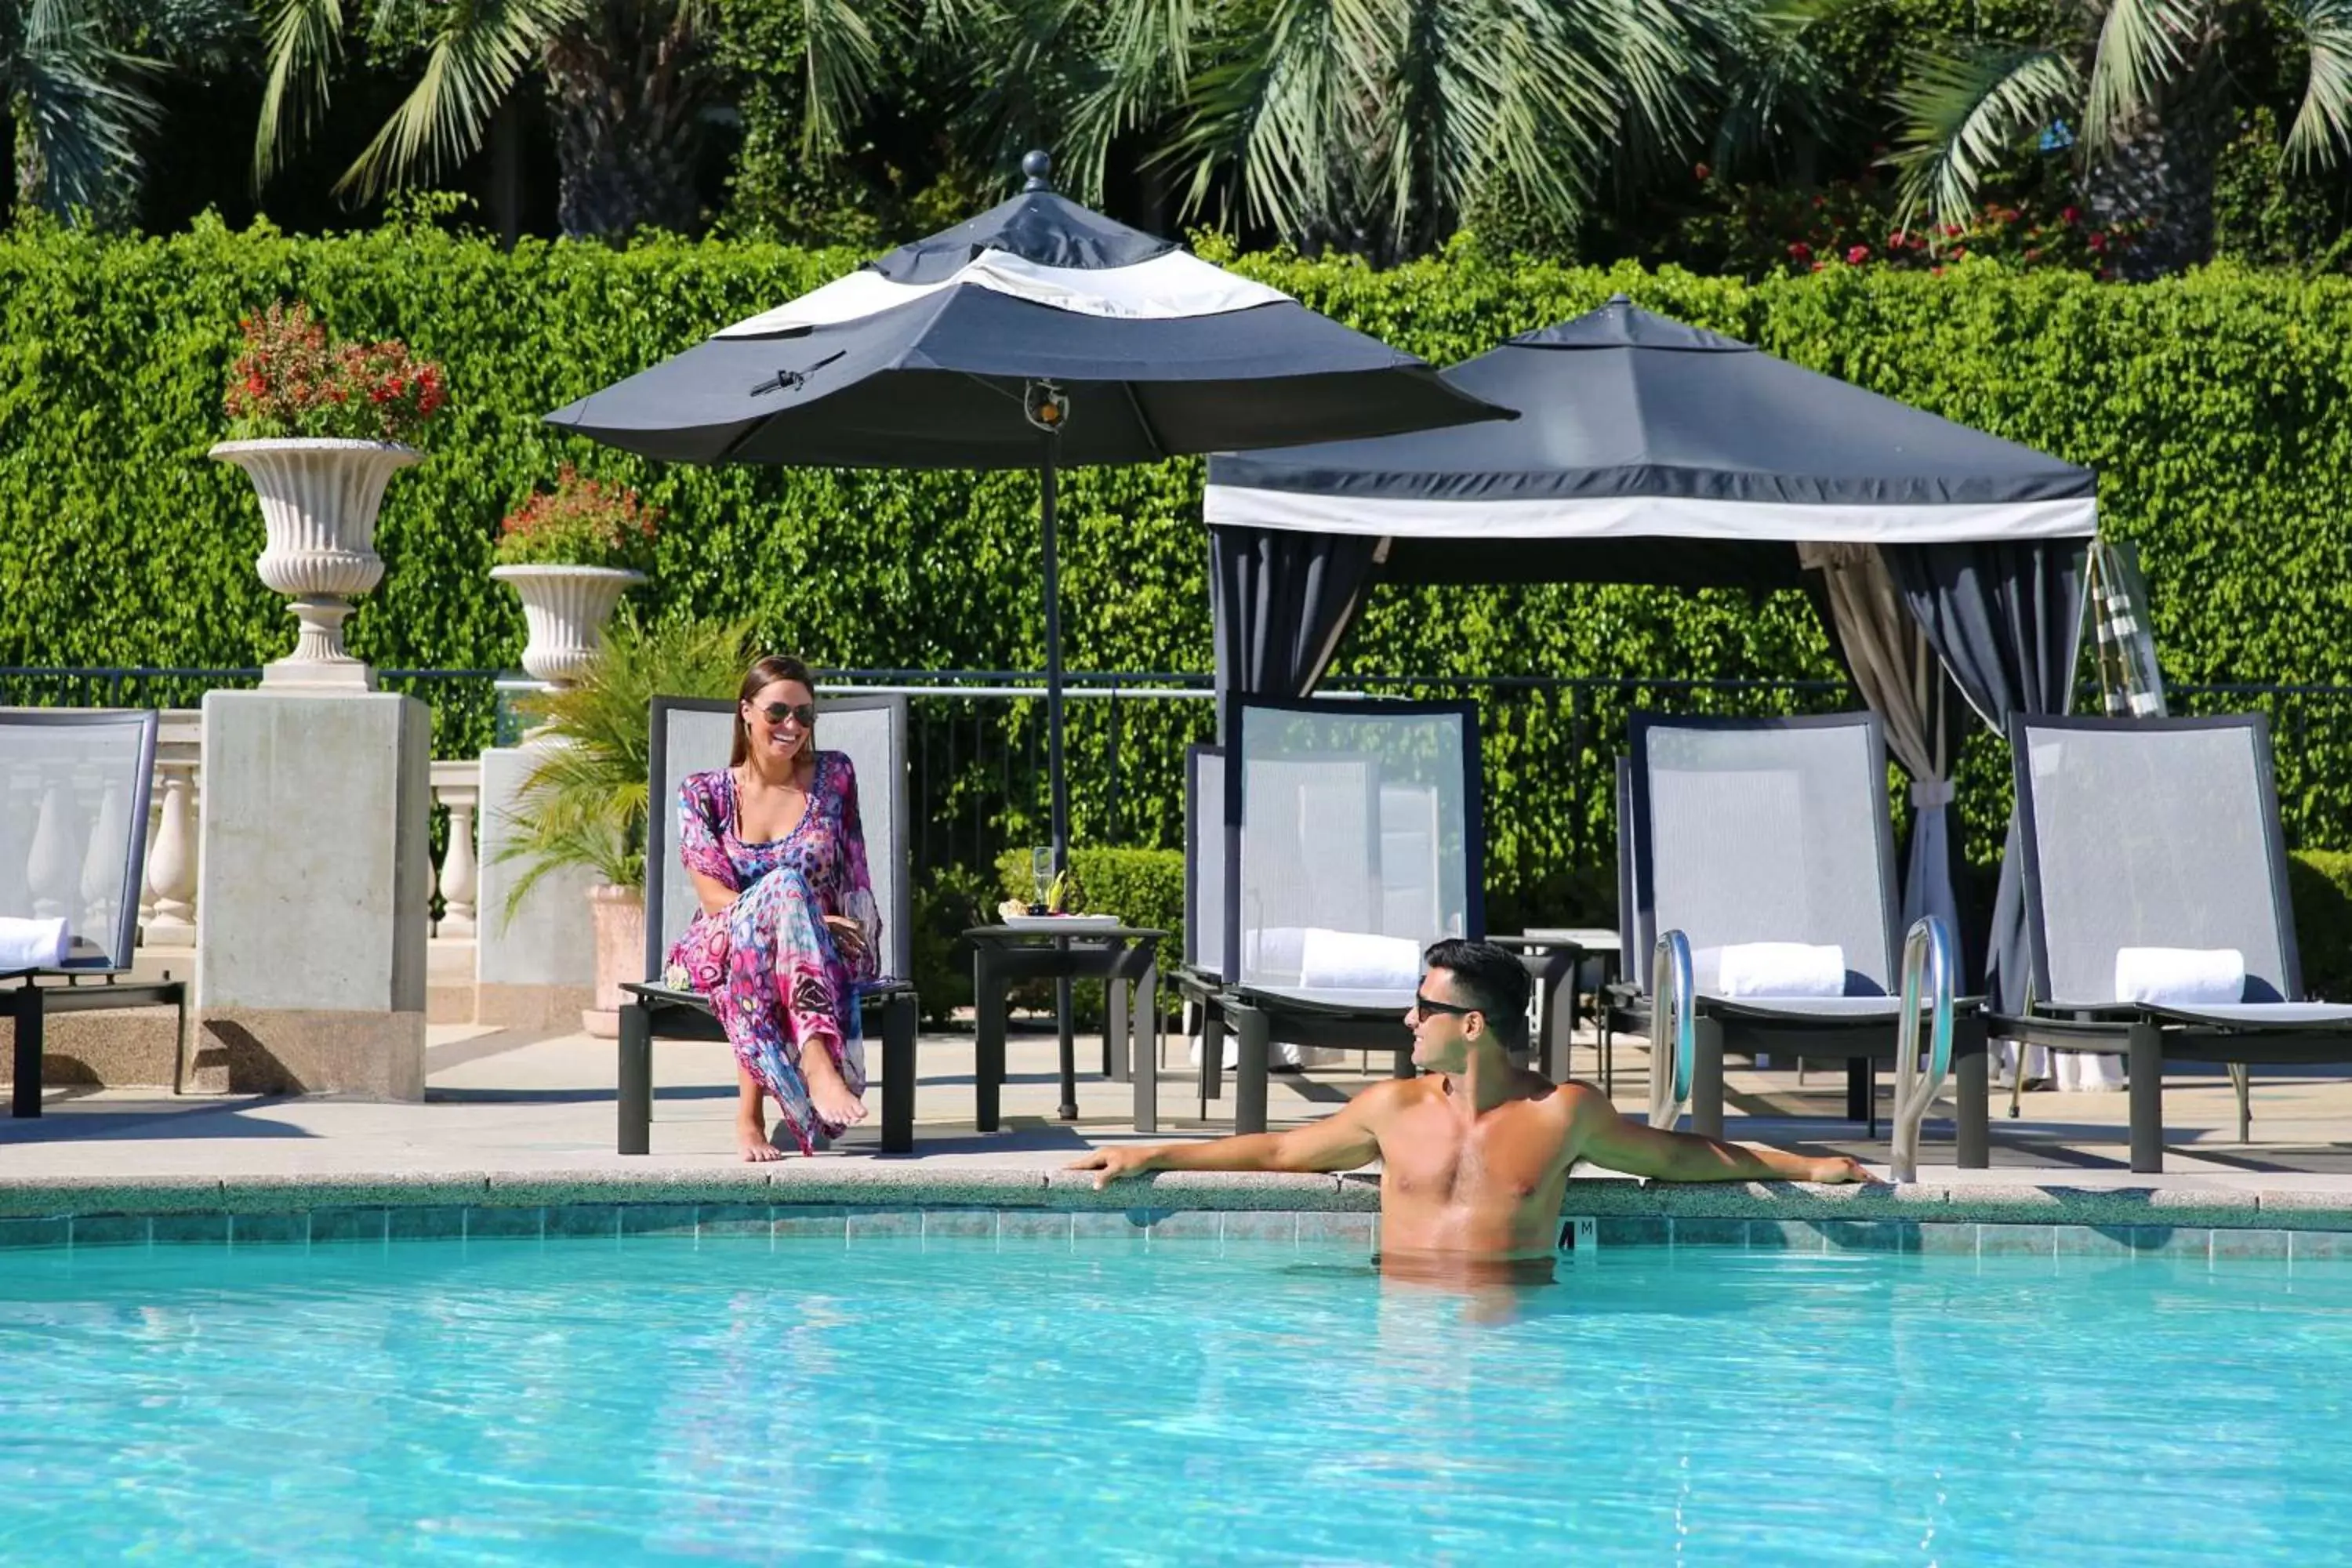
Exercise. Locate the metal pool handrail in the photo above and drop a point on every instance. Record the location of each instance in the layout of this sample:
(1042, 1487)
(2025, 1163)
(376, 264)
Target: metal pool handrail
(1674, 1034)
(1927, 948)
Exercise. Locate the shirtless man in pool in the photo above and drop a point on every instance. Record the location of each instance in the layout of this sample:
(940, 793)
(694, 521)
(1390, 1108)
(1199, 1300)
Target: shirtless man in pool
(1474, 1155)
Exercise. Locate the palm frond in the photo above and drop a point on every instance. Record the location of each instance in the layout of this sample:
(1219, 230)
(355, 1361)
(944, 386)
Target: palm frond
(845, 42)
(2322, 131)
(1776, 81)
(481, 49)
(305, 39)
(1290, 110)
(2142, 45)
(1135, 69)
(583, 803)
(78, 102)
(1963, 107)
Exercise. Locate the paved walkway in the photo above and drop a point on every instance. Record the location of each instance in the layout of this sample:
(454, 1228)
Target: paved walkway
(501, 1101)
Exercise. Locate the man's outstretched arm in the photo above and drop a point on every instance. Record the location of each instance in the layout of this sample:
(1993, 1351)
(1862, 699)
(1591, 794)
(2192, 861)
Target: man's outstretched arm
(1341, 1142)
(1620, 1144)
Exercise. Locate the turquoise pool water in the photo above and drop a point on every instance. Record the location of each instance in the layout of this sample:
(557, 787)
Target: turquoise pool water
(574, 1402)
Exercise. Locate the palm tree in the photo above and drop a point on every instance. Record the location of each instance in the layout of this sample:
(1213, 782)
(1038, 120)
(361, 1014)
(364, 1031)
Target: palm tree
(1371, 124)
(2142, 78)
(1364, 124)
(629, 82)
(74, 103)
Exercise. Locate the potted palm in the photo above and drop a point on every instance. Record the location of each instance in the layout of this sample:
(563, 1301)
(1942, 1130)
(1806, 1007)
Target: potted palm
(570, 554)
(584, 801)
(320, 428)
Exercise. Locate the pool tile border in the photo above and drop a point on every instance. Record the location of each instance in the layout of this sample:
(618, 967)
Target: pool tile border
(855, 1203)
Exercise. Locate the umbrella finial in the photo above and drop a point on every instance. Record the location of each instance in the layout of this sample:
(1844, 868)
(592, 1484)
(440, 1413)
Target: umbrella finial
(1038, 167)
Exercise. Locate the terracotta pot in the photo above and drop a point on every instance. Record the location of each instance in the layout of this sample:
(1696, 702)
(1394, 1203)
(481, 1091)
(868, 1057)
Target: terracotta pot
(619, 917)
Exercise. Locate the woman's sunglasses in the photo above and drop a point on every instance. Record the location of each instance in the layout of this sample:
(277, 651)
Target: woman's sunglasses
(801, 714)
(1423, 1006)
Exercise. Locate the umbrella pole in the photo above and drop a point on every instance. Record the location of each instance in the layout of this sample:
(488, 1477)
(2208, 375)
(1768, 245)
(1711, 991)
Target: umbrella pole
(1058, 782)
(1063, 1027)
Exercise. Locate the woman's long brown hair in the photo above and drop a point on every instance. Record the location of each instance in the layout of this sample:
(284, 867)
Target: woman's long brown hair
(775, 667)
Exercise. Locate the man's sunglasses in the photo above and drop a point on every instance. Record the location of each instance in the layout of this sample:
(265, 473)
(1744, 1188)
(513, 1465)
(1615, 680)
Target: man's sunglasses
(802, 714)
(1423, 1006)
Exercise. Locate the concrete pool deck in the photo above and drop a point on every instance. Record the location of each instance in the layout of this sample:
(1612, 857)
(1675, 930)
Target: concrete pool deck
(518, 1120)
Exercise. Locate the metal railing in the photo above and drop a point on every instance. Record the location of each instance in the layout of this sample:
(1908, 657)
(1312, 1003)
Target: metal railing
(1929, 960)
(1548, 746)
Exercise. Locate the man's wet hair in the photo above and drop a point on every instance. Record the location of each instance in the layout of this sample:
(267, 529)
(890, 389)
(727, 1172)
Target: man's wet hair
(1489, 978)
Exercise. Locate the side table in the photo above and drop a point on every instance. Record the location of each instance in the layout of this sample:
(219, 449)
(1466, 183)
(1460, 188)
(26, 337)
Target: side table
(1125, 958)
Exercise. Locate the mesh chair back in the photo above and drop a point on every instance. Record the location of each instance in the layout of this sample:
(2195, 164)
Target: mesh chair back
(2151, 832)
(1632, 940)
(1766, 830)
(693, 735)
(74, 790)
(1357, 817)
(1204, 858)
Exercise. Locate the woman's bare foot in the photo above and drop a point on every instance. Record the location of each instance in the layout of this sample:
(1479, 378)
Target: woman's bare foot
(753, 1140)
(829, 1096)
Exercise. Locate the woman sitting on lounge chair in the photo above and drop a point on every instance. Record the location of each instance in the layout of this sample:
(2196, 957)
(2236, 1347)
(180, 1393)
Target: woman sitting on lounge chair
(788, 927)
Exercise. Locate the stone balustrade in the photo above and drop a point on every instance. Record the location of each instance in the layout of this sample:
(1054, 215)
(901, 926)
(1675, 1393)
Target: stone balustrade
(167, 905)
(459, 786)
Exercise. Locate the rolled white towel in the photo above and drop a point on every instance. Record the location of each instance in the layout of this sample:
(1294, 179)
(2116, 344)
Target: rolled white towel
(1780, 969)
(1357, 961)
(2180, 976)
(32, 944)
(1272, 952)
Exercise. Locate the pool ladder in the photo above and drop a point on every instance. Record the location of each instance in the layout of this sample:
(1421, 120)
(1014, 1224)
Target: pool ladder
(1930, 963)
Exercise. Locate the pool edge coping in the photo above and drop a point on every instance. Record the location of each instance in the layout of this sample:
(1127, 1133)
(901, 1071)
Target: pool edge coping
(829, 1184)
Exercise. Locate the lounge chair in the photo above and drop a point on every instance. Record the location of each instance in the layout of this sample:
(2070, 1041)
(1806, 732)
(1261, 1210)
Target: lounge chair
(74, 788)
(1198, 975)
(1351, 840)
(1776, 830)
(2160, 834)
(691, 735)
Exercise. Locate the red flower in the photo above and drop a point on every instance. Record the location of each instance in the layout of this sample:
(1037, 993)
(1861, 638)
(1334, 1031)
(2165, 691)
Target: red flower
(2070, 214)
(1701, 169)
(1951, 231)
(2097, 241)
(1856, 255)
(1800, 251)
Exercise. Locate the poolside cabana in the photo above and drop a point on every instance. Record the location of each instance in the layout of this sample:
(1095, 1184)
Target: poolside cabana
(1945, 561)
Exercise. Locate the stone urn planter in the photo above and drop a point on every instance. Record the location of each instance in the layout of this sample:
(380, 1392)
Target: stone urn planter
(565, 609)
(320, 496)
(618, 915)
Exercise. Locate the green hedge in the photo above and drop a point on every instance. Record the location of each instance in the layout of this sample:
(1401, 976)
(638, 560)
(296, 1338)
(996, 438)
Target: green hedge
(2215, 406)
(2320, 881)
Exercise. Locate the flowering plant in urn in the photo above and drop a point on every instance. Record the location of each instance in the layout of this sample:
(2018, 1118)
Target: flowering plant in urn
(290, 381)
(571, 552)
(321, 428)
(580, 522)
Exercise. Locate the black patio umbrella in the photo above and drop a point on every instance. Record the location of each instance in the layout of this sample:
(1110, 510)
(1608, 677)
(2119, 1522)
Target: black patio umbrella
(1039, 334)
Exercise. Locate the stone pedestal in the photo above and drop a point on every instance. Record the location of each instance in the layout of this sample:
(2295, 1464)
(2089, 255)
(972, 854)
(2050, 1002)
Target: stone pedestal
(537, 969)
(315, 874)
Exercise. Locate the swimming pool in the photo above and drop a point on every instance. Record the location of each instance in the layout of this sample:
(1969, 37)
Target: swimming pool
(666, 1401)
